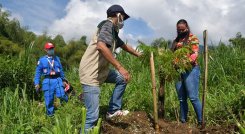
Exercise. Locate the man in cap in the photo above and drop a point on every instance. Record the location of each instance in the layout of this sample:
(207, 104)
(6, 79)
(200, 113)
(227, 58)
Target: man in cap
(94, 66)
(50, 67)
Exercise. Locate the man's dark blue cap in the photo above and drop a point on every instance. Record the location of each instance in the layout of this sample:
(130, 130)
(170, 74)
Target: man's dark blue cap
(114, 9)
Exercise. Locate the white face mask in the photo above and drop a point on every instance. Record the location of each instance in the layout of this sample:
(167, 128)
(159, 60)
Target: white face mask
(120, 23)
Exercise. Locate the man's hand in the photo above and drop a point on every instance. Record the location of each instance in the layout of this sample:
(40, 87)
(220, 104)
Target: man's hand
(125, 74)
(139, 54)
(65, 82)
(129, 49)
(37, 87)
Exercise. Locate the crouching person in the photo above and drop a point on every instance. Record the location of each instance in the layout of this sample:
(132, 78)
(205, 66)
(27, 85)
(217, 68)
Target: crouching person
(50, 67)
(94, 67)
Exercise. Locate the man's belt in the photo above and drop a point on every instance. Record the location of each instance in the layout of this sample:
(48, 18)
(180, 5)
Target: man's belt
(51, 76)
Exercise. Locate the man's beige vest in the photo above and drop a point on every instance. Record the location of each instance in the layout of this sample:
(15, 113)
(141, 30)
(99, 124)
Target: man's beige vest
(94, 68)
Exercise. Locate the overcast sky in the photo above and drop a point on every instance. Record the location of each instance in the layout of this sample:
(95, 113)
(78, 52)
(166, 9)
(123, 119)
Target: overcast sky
(150, 19)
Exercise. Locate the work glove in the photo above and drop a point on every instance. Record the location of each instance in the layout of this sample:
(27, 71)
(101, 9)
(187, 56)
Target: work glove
(37, 87)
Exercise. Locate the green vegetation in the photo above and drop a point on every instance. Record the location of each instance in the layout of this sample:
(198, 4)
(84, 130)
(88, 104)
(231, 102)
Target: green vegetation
(21, 111)
(20, 115)
(170, 64)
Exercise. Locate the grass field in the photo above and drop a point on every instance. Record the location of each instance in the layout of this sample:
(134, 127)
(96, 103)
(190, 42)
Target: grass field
(225, 100)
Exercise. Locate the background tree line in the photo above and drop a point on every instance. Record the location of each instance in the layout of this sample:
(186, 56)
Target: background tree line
(20, 50)
(14, 39)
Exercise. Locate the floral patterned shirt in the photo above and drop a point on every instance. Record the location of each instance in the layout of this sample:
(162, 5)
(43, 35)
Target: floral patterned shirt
(194, 45)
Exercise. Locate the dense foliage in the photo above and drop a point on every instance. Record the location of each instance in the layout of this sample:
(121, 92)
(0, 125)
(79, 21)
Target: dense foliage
(170, 64)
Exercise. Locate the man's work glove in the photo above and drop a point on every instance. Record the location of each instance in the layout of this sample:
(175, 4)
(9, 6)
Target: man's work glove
(37, 87)
(67, 86)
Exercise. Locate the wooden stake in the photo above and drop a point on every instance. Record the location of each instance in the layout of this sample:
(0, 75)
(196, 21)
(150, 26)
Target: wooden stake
(161, 96)
(154, 92)
(205, 75)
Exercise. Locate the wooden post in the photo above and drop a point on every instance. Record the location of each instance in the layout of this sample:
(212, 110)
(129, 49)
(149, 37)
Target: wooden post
(205, 75)
(154, 92)
(161, 96)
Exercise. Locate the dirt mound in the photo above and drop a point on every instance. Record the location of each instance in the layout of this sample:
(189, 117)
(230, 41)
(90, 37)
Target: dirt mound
(135, 122)
(141, 123)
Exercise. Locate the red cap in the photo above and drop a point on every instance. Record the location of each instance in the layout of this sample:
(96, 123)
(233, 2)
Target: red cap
(48, 45)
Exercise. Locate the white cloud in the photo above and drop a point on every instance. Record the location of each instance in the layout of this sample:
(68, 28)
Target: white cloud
(81, 19)
(13, 15)
(222, 18)
(215, 16)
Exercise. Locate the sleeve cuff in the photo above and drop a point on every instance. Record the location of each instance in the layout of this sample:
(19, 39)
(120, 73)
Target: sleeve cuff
(107, 44)
(36, 83)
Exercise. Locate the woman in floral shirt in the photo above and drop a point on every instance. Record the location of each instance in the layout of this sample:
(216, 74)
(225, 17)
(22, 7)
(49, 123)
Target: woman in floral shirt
(188, 85)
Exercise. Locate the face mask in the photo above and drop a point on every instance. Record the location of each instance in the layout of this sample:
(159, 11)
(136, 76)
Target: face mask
(120, 23)
(51, 52)
(182, 34)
